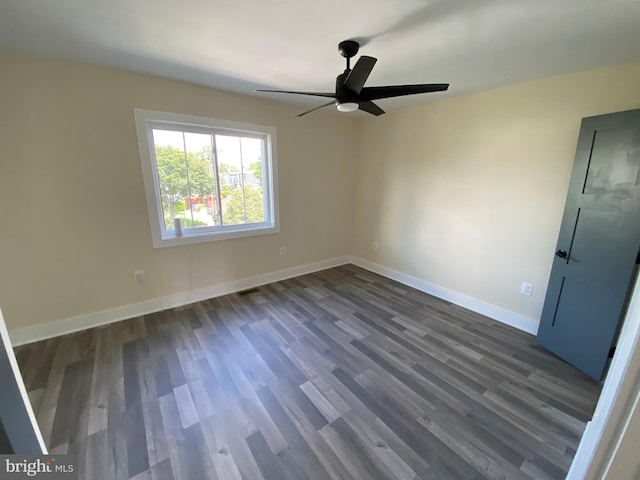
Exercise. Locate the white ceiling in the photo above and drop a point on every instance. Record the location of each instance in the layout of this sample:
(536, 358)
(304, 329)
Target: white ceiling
(240, 45)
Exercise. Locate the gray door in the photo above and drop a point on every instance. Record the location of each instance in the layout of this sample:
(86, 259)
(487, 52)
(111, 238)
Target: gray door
(598, 244)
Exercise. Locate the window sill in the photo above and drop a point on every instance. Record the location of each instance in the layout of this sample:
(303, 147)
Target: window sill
(191, 238)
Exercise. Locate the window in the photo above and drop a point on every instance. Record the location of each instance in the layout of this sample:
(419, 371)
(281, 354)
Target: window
(206, 179)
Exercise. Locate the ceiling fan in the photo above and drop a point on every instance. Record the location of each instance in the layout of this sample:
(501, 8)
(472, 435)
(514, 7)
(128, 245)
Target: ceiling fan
(351, 94)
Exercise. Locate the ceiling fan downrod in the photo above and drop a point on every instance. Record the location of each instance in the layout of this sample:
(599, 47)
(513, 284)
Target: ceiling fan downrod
(348, 49)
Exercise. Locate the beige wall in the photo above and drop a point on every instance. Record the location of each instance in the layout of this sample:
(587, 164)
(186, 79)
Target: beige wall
(468, 193)
(74, 222)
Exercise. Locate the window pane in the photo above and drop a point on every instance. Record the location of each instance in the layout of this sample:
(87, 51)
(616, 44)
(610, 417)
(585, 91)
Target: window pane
(252, 162)
(172, 173)
(201, 205)
(230, 171)
(240, 165)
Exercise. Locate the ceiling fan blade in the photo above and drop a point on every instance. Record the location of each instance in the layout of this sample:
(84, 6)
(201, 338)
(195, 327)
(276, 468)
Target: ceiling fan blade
(315, 94)
(376, 93)
(371, 108)
(358, 76)
(314, 109)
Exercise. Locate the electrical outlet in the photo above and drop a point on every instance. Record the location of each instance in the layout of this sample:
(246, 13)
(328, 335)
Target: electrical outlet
(526, 289)
(375, 245)
(283, 251)
(139, 276)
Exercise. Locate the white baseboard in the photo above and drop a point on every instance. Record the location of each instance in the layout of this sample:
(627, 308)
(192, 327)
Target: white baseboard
(494, 312)
(21, 336)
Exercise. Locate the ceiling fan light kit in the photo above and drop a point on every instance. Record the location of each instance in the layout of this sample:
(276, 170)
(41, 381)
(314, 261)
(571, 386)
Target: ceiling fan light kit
(348, 106)
(351, 94)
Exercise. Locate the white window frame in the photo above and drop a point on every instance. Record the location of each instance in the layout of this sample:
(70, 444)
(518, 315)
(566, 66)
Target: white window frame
(146, 120)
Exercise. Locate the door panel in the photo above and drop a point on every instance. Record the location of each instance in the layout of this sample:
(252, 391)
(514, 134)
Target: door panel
(575, 321)
(600, 232)
(592, 252)
(612, 171)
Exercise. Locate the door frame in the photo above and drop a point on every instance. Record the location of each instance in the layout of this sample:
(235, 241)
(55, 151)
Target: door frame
(594, 443)
(16, 413)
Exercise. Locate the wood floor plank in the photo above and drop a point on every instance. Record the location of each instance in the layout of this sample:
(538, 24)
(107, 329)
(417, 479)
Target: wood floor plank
(175, 436)
(99, 402)
(418, 438)
(529, 400)
(297, 445)
(269, 465)
(460, 441)
(294, 395)
(201, 399)
(320, 401)
(412, 402)
(339, 374)
(118, 461)
(401, 371)
(137, 451)
(51, 396)
(131, 379)
(73, 403)
(41, 366)
(373, 442)
(217, 449)
(97, 458)
(197, 455)
(223, 391)
(390, 438)
(35, 398)
(355, 461)
(229, 441)
(155, 436)
(341, 351)
(277, 361)
(259, 413)
(174, 367)
(162, 471)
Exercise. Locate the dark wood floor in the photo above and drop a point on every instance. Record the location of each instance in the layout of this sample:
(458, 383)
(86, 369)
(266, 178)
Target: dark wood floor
(339, 374)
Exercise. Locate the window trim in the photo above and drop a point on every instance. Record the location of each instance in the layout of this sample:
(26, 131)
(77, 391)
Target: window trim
(146, 120)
